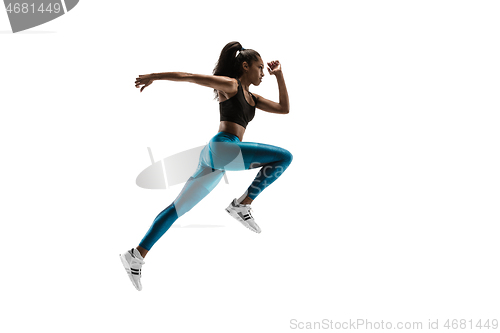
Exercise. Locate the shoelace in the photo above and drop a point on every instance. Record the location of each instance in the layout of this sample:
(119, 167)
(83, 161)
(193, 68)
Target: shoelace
(135, 258)
(139, 261)
(249, 211)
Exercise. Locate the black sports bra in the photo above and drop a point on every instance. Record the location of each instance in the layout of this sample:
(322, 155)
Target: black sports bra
(237, 109)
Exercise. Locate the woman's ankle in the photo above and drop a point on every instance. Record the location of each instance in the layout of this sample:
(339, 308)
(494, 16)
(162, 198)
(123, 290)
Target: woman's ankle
(142, 251)
(246, 201)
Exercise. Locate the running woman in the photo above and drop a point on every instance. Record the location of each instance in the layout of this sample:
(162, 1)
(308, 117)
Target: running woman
(236, 69)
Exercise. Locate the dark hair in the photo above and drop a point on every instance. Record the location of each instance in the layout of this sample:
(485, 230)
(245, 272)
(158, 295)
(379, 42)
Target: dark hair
(229, 63)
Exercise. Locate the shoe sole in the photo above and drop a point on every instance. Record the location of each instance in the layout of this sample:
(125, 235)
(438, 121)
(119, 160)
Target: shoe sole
(127, 269)
(237, 217)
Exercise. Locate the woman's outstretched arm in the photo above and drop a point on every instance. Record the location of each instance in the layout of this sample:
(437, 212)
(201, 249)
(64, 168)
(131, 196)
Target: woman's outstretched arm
(284, 105)
(222, 83)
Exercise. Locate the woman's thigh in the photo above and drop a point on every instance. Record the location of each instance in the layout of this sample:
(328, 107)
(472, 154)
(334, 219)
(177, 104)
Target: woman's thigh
(234, 156)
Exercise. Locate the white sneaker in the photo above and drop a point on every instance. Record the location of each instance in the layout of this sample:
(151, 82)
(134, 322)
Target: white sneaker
(133, 261)
(242, 214)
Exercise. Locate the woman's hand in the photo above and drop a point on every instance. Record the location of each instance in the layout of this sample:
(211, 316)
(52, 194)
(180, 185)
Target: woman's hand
(145, 80)
(274, 67)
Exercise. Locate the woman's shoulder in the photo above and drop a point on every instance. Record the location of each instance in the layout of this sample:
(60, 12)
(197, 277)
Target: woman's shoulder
(228, 95)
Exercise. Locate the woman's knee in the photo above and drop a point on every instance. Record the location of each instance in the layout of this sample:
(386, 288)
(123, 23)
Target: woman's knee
(287, 157)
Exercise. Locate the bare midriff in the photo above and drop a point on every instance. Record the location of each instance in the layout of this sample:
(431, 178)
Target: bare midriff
(233, 128)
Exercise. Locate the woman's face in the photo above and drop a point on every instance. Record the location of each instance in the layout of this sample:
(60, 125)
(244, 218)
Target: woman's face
(256, 72)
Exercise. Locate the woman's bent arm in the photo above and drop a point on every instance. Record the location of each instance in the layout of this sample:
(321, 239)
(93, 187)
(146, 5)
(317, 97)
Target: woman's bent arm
(283, 106)
(284, 102)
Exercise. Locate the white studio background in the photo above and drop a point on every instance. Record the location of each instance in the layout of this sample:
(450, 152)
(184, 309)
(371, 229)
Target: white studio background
(389, 210)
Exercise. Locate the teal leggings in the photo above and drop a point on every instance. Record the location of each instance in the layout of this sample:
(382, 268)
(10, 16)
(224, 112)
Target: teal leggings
(224, 152)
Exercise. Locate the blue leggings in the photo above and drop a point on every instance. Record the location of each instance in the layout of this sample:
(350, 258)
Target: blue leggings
(224, 152)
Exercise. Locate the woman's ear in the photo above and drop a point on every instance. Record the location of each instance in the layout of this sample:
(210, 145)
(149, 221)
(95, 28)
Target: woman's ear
(245, 66)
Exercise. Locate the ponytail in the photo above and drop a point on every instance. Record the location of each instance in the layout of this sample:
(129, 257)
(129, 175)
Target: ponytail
(230, 60)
